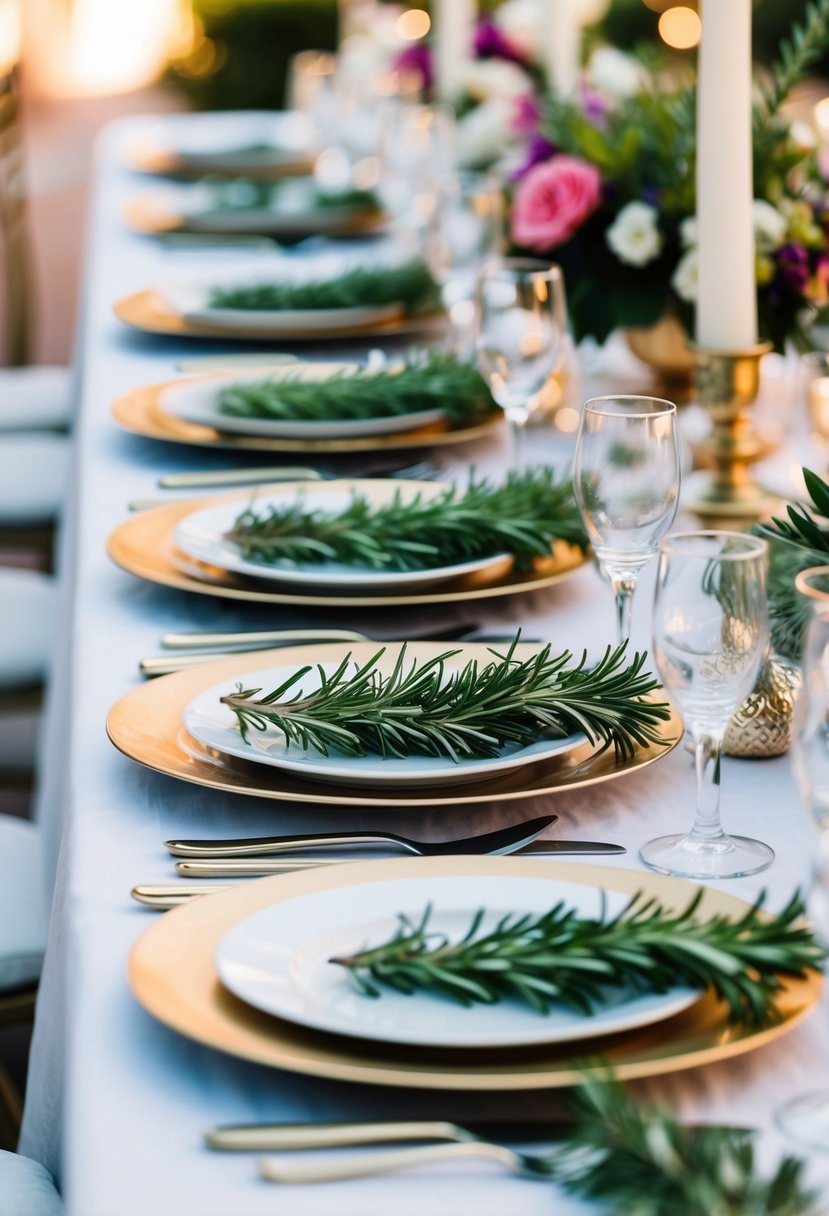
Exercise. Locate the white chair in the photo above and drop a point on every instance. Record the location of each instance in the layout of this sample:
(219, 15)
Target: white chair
(28, 617)
(26, 1188)
(35, 399)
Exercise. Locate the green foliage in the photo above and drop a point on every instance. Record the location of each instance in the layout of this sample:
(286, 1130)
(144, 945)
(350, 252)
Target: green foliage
(523, 517)
(410, 284)
(797, 542)
(470, 712)
(247, 194)
(640, 1160)
(563, 958)
(429, 380)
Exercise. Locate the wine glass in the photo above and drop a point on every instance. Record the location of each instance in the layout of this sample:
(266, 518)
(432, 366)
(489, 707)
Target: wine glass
(806, 1118)
(417, 151)
(467, 228)
(710, 635)
(626, 484)
(521, 322)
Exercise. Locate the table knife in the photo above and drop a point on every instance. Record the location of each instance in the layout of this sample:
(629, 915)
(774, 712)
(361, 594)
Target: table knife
(249, 867)
(290, 1137)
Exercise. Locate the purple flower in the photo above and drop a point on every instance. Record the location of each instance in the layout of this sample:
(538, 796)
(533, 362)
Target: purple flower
(652, 195)
(492, 43)
(526, 114)
(792, 267)
(416, 57)
(538, 151)
(593, 106)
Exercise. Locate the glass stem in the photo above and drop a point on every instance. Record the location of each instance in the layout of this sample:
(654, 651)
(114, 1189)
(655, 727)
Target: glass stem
(623, 589)
(707, 825)
(517, 424)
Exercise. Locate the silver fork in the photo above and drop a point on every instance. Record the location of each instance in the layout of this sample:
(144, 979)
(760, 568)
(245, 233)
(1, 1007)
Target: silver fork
(422, 470)
(540, 1166)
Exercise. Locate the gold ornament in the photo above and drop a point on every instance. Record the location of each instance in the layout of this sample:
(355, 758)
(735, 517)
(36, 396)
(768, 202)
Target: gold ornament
(762, 726)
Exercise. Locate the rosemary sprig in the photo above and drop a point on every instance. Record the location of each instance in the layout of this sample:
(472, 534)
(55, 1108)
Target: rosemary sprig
(434, 380)
(246, 194)
(562, 958)
(471, 712)
(522, 517)
(639, 1159)
(797, 542)
(410, 284)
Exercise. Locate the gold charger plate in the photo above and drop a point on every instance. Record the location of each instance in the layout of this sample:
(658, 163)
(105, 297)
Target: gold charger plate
(172, 974)
(141, 412)
(146, 725)
(154, 217)
(148, 311)
(144, 545)
(143, 157)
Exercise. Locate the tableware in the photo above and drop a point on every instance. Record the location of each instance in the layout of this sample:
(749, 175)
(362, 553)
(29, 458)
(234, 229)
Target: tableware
(146, 725)
(259, 144)
(173, 975)
(295, 1137)
(203, 535)
(144, 546)
(423, 470)
(150, 312)
(539, 1166)
(279, 960)
(626, 483)
(245, 868)
(193, 301)
(806, 1117)
(275, 637)
(216, 727)
(200, 401)
(141, 413)
(200, 364)
(163, 896)
(293, 214)
(504, 840)
(521, 328)
(710, 637)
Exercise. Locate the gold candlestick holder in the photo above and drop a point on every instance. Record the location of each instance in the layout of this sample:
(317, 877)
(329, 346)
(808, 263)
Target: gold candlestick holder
(727, 382)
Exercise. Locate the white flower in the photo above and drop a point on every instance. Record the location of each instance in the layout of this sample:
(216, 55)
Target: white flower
(688, 232)
(485, 79)
(483, 134)
(803, 135)
(523, 23)
(615, 74)
(634, 235)
(685, 279)
(769, 226)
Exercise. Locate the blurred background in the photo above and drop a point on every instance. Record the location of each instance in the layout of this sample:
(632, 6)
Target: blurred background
(84, 62)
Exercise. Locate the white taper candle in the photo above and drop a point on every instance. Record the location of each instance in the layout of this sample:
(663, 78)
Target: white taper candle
(562, 45)
(726, 294)
(453, 36)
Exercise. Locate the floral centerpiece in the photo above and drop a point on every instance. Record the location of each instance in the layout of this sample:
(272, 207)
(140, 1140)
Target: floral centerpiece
(608, 190)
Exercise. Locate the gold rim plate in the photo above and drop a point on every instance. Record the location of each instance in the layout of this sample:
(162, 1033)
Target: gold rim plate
(152, 216)
(144, 545)
(148, 311)
(172, 974)
(146, 725)
(163, 162)
(141, 412)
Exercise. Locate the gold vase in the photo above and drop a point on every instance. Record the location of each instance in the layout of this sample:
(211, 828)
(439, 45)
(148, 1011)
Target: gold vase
(762, 726)
(727, 383)
(664, 347)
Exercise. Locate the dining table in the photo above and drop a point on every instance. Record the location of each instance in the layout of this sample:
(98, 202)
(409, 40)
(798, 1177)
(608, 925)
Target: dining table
(117, 1104)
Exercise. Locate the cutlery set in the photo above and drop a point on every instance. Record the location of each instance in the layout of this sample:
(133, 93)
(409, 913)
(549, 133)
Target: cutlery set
(259, 856)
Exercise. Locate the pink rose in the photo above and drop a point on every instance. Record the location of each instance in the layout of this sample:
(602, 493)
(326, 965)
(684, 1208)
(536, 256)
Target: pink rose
(553, 200)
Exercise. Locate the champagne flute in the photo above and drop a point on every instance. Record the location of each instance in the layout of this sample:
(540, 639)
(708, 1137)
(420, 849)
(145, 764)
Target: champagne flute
(710, 635)
(806, 1118)
(626, 484)
(520, 329)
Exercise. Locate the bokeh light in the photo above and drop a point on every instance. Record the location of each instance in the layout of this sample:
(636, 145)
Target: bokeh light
(680, 28)
(413, 24)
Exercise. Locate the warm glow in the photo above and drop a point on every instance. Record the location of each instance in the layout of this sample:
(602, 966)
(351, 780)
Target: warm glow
(11, 35)
(567, 420)
(100, 47)
(413, 24)
(822, 114)
(680, 28)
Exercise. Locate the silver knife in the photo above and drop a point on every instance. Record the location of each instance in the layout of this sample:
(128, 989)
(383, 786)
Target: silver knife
(243, 867)
(290, 1137)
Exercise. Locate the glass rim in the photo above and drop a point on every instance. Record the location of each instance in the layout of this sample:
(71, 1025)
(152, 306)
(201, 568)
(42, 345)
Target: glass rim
(754, 545)
(593, 405)
(801, 580)
(537, 267)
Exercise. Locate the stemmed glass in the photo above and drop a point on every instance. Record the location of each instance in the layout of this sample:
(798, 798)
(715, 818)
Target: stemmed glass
(806, 1118)
(626, 484)
(710, 634)
(521, 324)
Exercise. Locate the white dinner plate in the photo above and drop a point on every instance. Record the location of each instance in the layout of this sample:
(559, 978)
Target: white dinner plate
(215, 726)
(278, 960)
(191, 300)
(202, 536)
(227, 141)
(199, 402)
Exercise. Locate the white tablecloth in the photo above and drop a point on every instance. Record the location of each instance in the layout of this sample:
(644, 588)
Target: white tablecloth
(117, 1104)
